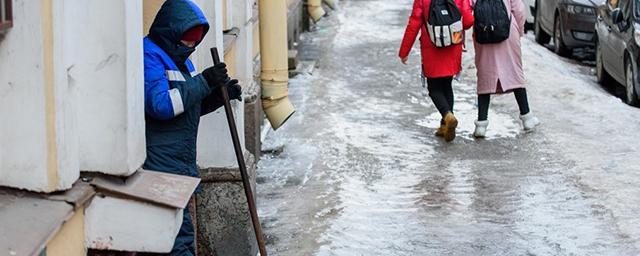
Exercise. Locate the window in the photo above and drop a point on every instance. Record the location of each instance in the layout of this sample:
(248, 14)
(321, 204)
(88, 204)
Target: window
(6, 17)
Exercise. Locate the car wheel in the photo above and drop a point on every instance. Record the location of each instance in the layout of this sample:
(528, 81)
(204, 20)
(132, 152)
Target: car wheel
(528, 26)
(602, 76)
(541, 36)
(561, 49)
(632, 97)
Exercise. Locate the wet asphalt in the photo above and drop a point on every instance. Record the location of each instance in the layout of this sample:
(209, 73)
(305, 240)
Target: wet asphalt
(361, 173)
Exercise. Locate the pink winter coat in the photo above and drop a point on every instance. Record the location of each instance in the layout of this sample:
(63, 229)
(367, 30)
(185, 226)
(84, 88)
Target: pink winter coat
(500, 65)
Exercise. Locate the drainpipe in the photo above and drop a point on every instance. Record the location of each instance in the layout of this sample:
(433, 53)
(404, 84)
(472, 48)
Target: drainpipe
(275, 63)
(332, 3)
(315, 9)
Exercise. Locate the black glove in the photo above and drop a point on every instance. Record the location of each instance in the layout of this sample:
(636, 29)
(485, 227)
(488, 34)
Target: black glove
(216, 76)
(234, 89)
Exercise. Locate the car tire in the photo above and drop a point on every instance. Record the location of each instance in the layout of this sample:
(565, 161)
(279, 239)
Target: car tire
(630, 84)
(602, 76)
(560, 48)
(541, 36)
(528, 26)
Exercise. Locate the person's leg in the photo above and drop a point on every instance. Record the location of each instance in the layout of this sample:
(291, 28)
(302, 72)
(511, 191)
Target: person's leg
(436, 88)
(529, 121)
(484, 100)
(523, 102)
(448, 93)
(447, 90)
(185, 241)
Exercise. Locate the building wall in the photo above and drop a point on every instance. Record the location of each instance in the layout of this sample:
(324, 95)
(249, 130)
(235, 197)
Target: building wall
(38, 146)
(107, 69)
(69, 241)
(215, 148)
(296, 22)
(150, 9)
(71, 80)
(127, 225)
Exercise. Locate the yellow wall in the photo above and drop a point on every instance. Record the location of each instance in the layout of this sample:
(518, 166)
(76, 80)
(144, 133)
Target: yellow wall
(230, 60)
(256, 39)
(69, 241)
(150, 9)
(225, 15)
(52, 148)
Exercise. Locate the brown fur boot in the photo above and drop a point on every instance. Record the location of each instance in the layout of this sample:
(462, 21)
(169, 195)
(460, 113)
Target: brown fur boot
(450, 124)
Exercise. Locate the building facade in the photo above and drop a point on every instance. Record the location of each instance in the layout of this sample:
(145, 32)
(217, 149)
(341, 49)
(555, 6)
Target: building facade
(72, 127)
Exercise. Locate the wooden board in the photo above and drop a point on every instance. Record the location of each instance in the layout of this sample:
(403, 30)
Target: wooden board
(78, 196)
(154, 187)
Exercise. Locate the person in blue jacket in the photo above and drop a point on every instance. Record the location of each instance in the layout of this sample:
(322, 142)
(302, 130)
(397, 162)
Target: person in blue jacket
(176, 96)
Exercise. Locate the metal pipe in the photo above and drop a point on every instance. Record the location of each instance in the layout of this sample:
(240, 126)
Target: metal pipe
(332, 3)
(241, 164)
(315, 9)
(275, 65)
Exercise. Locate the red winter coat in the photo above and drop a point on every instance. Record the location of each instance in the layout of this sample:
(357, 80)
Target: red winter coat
(437, 62)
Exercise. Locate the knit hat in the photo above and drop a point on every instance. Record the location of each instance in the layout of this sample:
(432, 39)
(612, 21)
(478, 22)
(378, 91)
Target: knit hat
(193, 34)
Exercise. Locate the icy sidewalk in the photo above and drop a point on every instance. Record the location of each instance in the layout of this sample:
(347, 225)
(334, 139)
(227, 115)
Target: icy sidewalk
(361, 173)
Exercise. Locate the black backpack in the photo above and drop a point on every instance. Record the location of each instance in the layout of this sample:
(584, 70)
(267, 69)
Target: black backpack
(492, 22)
(445, 23)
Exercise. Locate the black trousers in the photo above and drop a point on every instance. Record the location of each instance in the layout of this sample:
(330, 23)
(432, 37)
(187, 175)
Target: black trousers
(441, 93)
(485, 99)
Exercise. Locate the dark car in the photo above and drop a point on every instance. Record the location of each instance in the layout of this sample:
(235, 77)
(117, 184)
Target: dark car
(617, 45)
(569, 22)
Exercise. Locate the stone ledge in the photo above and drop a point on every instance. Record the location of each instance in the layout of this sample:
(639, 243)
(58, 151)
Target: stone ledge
(251, 92)
(224, 226)
(29, 221)
(229, 39)
(218, 174)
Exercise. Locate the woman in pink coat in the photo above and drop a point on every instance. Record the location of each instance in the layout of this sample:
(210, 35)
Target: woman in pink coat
(500, 70)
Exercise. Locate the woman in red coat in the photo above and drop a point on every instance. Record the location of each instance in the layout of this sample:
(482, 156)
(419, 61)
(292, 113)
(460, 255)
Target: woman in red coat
(439, 64)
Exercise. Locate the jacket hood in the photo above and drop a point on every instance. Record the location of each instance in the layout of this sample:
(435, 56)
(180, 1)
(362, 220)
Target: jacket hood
(172, 21)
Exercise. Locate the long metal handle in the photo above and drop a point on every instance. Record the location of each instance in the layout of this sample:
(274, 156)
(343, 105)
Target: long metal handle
(241, 164)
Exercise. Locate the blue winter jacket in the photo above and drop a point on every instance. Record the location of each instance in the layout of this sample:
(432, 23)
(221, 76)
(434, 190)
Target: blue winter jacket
(175, 95)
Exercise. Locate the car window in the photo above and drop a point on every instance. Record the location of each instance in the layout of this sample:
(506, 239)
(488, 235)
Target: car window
(623, 5)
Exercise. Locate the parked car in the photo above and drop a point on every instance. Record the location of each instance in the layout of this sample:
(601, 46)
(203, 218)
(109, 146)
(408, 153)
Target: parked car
(569, 23)
(530, 10)
(618, 45)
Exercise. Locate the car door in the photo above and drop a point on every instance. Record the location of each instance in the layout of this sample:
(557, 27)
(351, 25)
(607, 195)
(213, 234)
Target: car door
(604, 34)
(529, 6)
(547, 10)
(618, 42)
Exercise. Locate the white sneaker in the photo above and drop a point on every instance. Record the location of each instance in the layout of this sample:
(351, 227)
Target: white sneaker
(529, 122)
(481, 129)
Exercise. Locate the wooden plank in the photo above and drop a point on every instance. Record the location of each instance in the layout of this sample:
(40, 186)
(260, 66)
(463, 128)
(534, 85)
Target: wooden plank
(78, 196)
(28, 222)
(154, 187)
